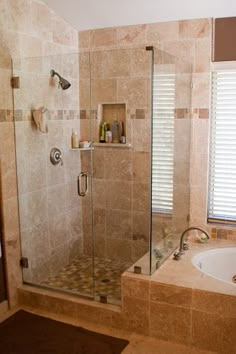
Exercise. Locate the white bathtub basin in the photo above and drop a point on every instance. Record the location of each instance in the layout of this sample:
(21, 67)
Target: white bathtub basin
(219, 263)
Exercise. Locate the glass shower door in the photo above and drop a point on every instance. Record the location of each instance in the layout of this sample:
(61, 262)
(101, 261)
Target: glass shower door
(120, 95)
(54, 235)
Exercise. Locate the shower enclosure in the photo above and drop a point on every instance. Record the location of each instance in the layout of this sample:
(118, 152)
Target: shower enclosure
(109, 207)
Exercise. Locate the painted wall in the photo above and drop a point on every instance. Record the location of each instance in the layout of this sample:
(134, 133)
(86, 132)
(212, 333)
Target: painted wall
(91, 14)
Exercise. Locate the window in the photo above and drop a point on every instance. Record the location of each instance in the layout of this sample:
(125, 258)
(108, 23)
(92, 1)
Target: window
(163, 142)
(222, 171)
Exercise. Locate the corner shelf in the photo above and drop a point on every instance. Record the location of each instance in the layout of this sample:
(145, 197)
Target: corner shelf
(112, 145)
(82, 149)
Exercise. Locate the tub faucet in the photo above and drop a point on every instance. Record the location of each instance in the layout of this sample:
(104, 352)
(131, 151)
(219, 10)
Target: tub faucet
(183, 244)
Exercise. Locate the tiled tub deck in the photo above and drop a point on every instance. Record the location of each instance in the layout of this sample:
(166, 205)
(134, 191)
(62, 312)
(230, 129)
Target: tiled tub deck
(177, 303)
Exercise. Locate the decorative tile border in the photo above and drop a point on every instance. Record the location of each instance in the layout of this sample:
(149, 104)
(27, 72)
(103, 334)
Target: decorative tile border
(6, 115)
(226, 234)
(86, 114)
(20, 115)
(132, 113)
(195, 113)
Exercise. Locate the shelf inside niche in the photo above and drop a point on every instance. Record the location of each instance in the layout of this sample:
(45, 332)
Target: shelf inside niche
(82, 149)
(108, 112)
(112, 145)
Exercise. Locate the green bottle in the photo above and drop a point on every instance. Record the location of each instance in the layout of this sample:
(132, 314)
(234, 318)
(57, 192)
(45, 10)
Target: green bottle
(103, 130)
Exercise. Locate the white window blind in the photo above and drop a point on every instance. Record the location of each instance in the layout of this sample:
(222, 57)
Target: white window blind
(222, 171)
(163, 142)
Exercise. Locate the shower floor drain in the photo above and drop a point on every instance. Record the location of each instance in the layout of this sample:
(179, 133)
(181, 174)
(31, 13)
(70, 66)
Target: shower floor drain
(105, 281)
(234, 279)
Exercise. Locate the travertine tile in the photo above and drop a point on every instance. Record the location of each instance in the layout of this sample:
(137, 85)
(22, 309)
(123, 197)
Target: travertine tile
(174, 295)
(141, 130)
(84, 65)
(118, 165)
(84, 94)
(135, 288)
(141, 167)
(202, 55)
(223, 305)
(134, 92)
(63, 33)
(103, 37)
(170, 322)
(141, 63)
(140, 225)
(129, 35)
(33, 209)
(136, 315)
(119, 195)
(41, 17)
(84, 38)
(198, 28)
(34, 241)
(118, 224)
(200, 91)
(183, 49)
(99, 192)
(99, 163)
(18, 10)
(139, 249)
(119, 249)
(58, 230)
(103, 90)
(163, 31)
(141, 196)
(97, 64)
(117, 63)
(213, 332)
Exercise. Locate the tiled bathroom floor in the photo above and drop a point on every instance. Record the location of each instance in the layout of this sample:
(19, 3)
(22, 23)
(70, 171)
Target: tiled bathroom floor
(78, 277)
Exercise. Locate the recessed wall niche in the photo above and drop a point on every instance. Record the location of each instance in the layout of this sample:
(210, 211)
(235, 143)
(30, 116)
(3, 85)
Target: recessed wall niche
(108, 112)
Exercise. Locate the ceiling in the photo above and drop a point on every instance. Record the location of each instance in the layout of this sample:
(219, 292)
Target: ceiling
(90, 14)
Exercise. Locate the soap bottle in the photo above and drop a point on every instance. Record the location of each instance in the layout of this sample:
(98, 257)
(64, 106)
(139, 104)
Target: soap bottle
(115, 131)
(122, 133)
(103, 129)
(108, 135)
(74, 140)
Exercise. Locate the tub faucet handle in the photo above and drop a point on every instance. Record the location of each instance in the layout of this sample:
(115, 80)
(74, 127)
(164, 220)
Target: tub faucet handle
(185, 246)
(177, 256)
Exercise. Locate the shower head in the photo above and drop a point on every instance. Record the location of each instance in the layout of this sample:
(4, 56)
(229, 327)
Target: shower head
(62, 82)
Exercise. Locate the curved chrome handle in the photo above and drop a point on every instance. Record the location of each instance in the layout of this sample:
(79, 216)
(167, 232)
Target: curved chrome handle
(79, 180)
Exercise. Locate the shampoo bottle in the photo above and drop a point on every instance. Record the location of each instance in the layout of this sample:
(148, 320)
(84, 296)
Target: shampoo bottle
(74, 140)
(115, 131)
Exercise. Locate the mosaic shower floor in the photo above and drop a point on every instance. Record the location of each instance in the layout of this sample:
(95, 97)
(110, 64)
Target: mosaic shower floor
(77, 277)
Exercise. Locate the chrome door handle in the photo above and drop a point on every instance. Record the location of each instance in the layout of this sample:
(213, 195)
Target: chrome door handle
(79, 182)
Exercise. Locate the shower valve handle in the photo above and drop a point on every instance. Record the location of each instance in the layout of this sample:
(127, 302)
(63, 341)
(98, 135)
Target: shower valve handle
(56, 156)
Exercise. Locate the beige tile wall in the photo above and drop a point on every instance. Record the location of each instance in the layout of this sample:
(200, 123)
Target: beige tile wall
(120, 186)
(120, 69)
(49, 206)
(28, 29)
(190, 40)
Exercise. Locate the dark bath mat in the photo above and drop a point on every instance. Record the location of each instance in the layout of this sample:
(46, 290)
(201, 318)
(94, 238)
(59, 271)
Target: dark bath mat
(26, 333)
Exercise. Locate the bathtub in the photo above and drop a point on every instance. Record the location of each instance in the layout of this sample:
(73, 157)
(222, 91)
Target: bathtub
(219, 263)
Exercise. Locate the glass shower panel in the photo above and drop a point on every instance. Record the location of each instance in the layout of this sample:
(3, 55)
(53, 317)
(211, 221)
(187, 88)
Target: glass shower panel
(170, 154)
(120, 93)
(53, 236)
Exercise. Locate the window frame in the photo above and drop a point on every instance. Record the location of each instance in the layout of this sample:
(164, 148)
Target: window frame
(216, 66)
